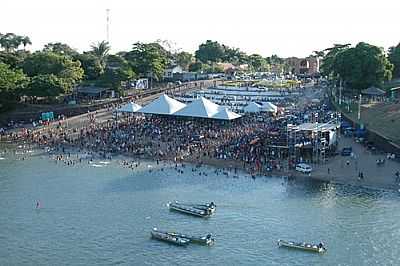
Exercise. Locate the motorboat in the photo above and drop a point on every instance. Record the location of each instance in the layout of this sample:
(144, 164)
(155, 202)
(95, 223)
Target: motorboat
(206, 206)
(180, 241)
(319, 248)
(188, 209)
(202, 240)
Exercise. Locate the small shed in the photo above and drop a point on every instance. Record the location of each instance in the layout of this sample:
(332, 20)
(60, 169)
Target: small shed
(373, 94)
(92, 92)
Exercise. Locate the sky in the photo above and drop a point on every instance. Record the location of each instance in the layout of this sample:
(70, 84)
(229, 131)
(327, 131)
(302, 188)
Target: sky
(283, 27)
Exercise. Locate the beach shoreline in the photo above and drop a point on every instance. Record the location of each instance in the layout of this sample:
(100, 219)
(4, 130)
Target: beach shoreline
(230, 168)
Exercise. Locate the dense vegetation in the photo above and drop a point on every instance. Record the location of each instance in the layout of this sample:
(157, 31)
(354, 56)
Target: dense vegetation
(57, 68)
(358, 67)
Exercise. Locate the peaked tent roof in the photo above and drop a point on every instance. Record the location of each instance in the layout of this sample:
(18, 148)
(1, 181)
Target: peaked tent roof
(163, 105)
(269, 107)
(200, 108)
(373, 91)
(252, 107)
(226, 114)
(130, 107)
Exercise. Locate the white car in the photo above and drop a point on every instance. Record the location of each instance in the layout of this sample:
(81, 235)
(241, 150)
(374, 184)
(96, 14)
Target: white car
(304, 168)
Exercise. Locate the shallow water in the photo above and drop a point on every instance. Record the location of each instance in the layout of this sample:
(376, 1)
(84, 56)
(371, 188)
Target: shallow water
(103, 215)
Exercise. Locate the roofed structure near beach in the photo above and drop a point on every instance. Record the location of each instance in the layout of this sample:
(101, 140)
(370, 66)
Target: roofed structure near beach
(164, 105)
(200, 108)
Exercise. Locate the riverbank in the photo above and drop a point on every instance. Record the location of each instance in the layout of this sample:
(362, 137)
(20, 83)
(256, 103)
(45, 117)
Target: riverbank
(375, 177)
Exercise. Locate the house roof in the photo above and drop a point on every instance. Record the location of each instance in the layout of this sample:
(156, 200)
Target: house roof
(164, 105)
(130, 107)
(373, 91)
(200, 108)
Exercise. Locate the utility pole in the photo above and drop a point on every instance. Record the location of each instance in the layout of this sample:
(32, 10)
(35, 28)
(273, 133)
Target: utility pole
(359, 108)
(340, 93)
(108, 25)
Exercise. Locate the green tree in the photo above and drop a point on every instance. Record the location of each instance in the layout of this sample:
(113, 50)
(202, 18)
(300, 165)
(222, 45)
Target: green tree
(184, 59)
(394, 58)
(234, 56)
(46, 85)
(362, 66)
(116, 73)
(12, 83)
(14, 59)
(11, 41)
(212, 68)
(329, 58)
(258, 63)
(101, 49)
(210, 51)
(196, 67)
(147, 59)
(26, 41)
(50, 65)
(92, 66)
(60, 49)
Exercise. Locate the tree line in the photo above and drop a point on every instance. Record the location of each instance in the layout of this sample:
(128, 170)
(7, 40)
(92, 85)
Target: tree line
(57, 68)
(361, 66)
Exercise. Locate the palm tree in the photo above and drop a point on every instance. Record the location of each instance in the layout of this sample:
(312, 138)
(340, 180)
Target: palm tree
(26, 41)
(101, 49)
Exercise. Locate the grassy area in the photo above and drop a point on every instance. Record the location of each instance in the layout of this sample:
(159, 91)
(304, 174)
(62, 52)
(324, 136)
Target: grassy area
(382, 118)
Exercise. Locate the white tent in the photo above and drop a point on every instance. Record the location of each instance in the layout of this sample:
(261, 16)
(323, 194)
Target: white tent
(269, 107)
(226, 114)
(252, 107)
(164, 105)
(200, 108)
(130, 107)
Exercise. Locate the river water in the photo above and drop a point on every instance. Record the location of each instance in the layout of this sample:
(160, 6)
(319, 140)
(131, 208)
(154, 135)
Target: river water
(102, 214)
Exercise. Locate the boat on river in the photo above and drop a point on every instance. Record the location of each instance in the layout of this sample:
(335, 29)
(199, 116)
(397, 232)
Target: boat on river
(189, 209)
(320, 248)
(202, 240)
(206, 206)
(180, 241)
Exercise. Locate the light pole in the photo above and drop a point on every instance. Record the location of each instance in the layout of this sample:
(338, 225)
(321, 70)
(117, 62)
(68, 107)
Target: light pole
(340, 93)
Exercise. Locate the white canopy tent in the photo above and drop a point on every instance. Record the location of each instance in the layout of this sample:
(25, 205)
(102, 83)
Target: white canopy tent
(163, 105)
(200, 108)
(269, 107)
(252, 107)
(130, 107)
(226, 114)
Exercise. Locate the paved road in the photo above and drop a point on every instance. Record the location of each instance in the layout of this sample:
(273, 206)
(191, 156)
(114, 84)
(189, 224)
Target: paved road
(345, 169)
(105, 114)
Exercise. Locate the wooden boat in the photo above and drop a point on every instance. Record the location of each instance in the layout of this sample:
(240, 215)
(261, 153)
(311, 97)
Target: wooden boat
(202, 240)
(189, 210)
(206, 206)
(320, 248)
(180, 241)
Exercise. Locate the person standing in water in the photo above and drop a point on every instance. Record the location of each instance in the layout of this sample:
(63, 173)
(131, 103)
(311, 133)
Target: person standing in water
(37, 204)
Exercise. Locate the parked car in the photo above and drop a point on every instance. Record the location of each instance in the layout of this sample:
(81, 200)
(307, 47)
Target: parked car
(347, 151)
(303, 168)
